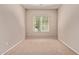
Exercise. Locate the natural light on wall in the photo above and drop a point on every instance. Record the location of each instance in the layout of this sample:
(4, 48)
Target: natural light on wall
(40, 24)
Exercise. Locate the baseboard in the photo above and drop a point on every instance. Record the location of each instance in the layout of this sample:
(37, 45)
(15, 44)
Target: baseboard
(12, 47)
(36, 37)
(69, 47)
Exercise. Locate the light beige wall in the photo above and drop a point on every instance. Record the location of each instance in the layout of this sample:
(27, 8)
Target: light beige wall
(12, 28)
(52, 18)
(68, 26)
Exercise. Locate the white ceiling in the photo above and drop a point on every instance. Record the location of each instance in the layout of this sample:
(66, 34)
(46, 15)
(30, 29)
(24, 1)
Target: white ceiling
(41, 6)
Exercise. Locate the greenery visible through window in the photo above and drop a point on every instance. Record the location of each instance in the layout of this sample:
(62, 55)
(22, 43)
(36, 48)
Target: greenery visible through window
(40, 24)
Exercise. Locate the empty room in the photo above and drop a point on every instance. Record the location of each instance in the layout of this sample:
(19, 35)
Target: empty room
(39, 29)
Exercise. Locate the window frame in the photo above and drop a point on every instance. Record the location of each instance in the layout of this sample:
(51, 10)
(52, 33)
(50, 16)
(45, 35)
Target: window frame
(34, 18)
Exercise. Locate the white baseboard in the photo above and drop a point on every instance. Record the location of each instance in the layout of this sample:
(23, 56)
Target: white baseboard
(11, 47)
(69, 47)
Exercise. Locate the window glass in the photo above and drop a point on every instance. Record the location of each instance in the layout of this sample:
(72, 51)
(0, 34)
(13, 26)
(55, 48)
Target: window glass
(40, 24)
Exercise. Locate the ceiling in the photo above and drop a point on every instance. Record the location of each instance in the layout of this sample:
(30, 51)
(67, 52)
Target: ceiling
(41, 6)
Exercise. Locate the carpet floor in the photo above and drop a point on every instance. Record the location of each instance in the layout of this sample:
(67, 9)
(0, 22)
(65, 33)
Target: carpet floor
(40, 47)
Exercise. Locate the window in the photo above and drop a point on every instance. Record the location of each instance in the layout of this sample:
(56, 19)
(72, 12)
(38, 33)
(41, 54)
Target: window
(40, 24)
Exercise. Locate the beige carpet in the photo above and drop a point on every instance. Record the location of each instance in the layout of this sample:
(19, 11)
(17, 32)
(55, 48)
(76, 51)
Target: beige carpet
(40, 47)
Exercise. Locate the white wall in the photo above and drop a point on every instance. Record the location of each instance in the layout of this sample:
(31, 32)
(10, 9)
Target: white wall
(52, 18)
(68, 26)
(12, 28)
